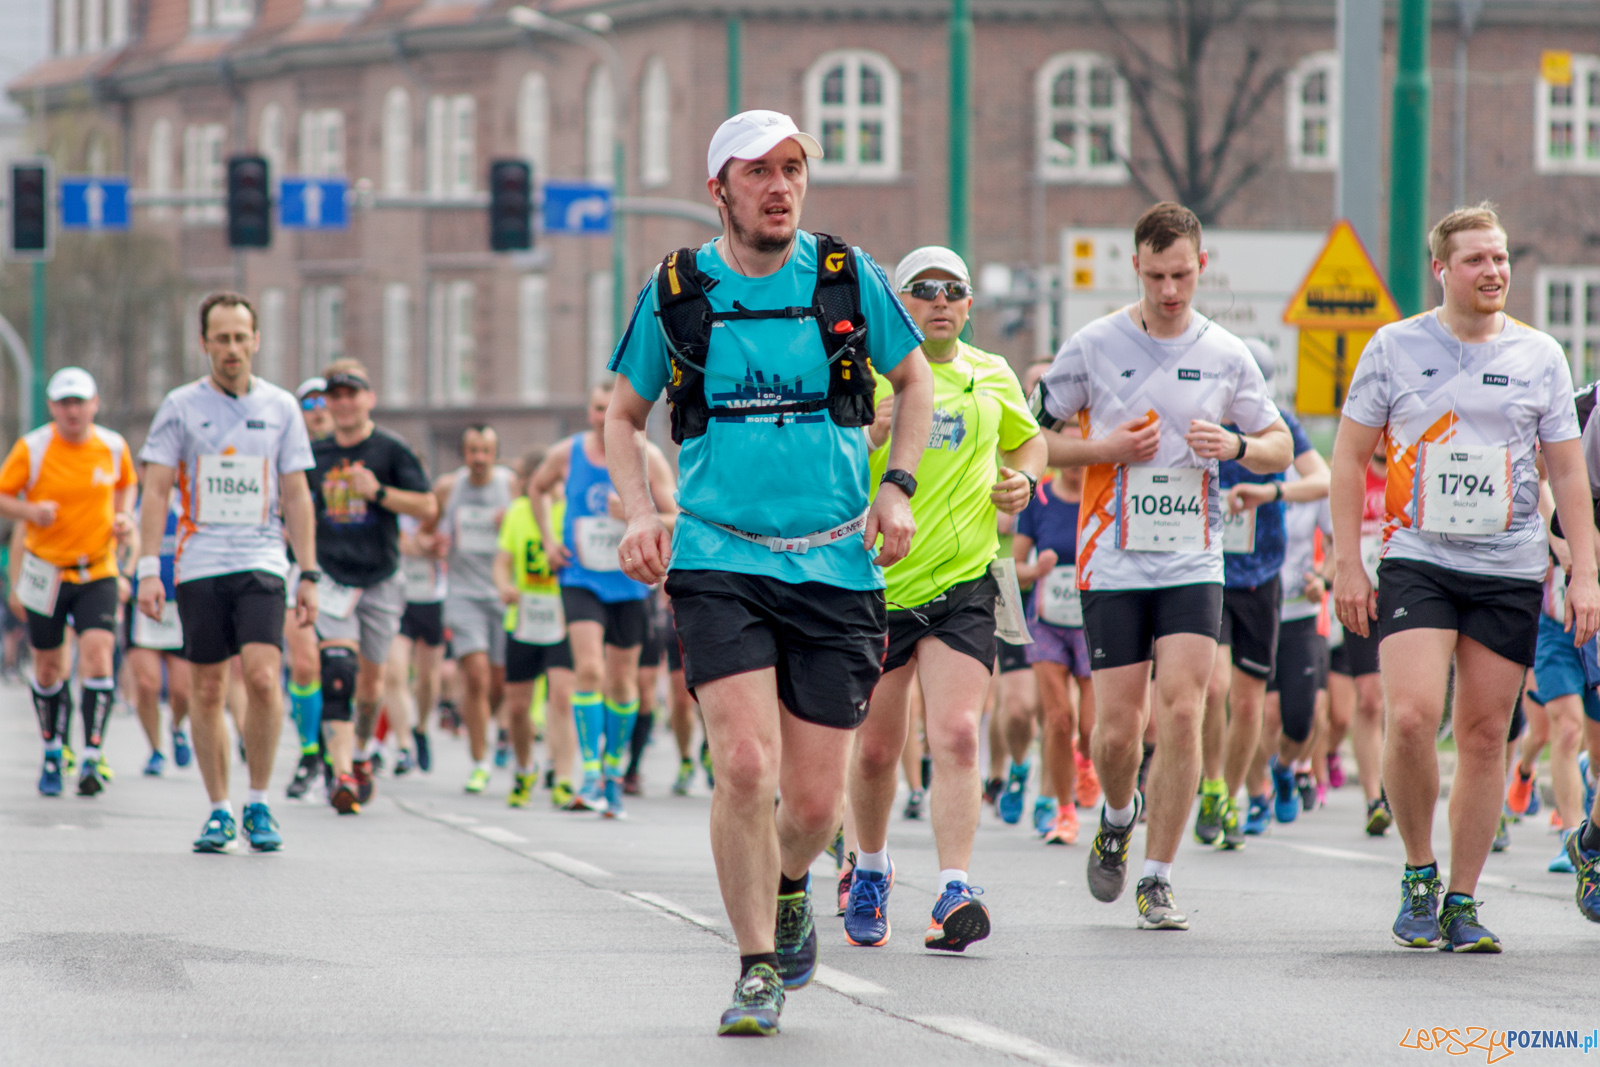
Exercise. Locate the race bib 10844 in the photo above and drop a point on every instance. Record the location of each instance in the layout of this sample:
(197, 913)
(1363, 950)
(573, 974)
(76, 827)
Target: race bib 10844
(232, 490)
(1465, 489)
(1163, 509)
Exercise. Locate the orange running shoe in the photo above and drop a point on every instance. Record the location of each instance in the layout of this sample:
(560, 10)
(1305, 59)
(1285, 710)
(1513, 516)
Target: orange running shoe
(1521, 789)
(1064, 831)
(1088, 782)
(1555, 820)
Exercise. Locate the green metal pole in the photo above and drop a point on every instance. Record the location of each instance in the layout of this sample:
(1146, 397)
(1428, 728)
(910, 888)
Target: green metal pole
(619, 249)
(36, 343)
(1408, 178)
(960, 114)
(735, 62)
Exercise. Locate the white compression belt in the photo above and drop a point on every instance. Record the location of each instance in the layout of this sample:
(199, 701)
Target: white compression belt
(798, 545)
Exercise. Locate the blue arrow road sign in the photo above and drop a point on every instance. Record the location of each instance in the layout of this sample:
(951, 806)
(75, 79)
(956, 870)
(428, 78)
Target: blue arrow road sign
(312, 204)
(577, 208)
(99, 202)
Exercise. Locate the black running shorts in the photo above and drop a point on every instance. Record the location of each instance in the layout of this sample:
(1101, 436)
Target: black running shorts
(1357, 655)
(1011, 657)
(223, 613)
(1302, 670)
(524, 662)
(625, 621)
(1250, 626)
(90, 605)
(1123, 625)
(1501, 614)
(962, 618)
(826, 643)
(424, 623)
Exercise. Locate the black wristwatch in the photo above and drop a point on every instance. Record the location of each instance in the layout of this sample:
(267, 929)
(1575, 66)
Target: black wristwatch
(1278, 488)
(1243, 442)
(311, 576)
(1033, 484)
(383, 491)
(901, 480)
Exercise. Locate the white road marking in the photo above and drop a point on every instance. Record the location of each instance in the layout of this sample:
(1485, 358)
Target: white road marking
(456, 820)
(677, 909)
(848, 984)
(1336, 853)
(498, 834)
(568, 865)
(66, 826)
(974, 1032)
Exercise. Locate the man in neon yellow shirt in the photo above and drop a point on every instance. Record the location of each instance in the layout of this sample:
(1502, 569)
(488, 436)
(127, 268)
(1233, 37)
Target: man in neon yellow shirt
(941, 601)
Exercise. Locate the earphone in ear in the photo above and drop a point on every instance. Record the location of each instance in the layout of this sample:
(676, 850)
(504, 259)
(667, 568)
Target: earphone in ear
(1441, 277)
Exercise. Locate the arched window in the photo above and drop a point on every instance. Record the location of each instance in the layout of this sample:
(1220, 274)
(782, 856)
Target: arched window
(533, 123)
(655, 124)
(397, 141)
(1312, 113)
(269, 139)
(853, 103)
(1082, 110)
(601, 124)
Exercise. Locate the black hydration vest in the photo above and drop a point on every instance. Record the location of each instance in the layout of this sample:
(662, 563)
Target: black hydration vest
(686, 317)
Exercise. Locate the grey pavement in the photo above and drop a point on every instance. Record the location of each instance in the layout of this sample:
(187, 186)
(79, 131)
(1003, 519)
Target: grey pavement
(438, 927)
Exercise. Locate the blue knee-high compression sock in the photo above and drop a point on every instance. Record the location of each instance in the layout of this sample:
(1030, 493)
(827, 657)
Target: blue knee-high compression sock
(619, 734)
(305, 704)
(588, 713)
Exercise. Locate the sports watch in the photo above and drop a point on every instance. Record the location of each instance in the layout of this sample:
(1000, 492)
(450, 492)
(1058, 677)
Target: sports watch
(901, 480)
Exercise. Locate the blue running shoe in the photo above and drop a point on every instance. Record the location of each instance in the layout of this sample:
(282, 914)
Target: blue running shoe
(1462, 931)
(1044, 815)
(419, 740)
(181, 752)
(1285, 799)
(958, 920)
(1587, 864)
(613, 802)
(866, 916)
(1417, 925)
(261, 828)
(220, 834)
(1563, 864)
(155, 765)
(1257, 820)
(1588, 783)
(502, 750)
(1009, 805)
(757, 1003)
(1533, 801)
(50, 777)
(796, 938)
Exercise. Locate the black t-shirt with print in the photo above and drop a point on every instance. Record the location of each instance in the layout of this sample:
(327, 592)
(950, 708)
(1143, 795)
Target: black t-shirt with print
(358, 541)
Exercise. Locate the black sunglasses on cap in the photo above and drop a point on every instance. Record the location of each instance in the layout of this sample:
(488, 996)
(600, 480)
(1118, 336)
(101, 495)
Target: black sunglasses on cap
(930, 290)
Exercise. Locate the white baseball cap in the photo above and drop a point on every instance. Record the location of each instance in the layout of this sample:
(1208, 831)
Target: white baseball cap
(71, 382)
(929, 257)
(751, 135)
(311, 385)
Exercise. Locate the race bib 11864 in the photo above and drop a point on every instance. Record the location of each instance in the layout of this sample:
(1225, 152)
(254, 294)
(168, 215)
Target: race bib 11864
(1163, 509)
(232, 490)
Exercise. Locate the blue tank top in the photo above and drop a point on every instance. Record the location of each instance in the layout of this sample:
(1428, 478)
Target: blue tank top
(588, 489)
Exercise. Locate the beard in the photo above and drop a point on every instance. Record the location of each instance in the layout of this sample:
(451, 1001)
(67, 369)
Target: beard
(760, 242)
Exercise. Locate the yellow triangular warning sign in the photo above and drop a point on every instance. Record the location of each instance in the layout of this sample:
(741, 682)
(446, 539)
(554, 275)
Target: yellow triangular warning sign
(1343, 290)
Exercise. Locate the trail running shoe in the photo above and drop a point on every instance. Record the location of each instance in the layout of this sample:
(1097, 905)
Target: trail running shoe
(155, 765)
(1417, 925)
(1208, 820)
(261, 828)
(219, 835)
(866, 915)
(1306, 786)
(1462, 930)
(361, 770)
(1285, 800)
(1335, 771)
(1502, 836)
(1232, 826)
(796, 939)
(502, 750)
(419, 741)
(1563, 864)
(1108, 856)
(1088, 781)
(1258, 817)
(1587, 864)
(305, 773)
(913, 808)
(1009, 804)
(1156, 909)
(1379, 817)
(846, 878)
(1519, 793)
(182, 753)
(1064, 831)
(345, 796)
(757, 1003)
(680, 788)
(613, 802)
(89, 781)
(50, 777)
(521, 790)
(478, 780)
(561, 794)
(992, 788)
(405, 763)
(958, 920)
(1044, 815)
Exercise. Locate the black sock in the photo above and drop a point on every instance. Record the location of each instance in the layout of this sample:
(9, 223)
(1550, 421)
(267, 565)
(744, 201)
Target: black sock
(747, 962)
(642, 726)
(1434, 867)
(1457, 898)
(1591, 836)
(927, 771)
(787, 885)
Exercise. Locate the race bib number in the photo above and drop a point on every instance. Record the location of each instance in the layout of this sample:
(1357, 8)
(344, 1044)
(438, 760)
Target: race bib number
(1163, 509)
(1371, 553)
(598, 538)
(1239, 531)
(38, 584)
(422, 580)
(540, 619)
(334, 600)
(477, 529)
(1058, 598)
(165, 634)
(1009, 624)
(232, 490)
(1466, 489)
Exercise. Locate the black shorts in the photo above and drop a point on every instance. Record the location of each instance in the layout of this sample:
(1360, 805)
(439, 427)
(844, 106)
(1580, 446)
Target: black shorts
(1357, 655)
(524, 663)
(1123, 625)
(1501, 614)
(424, 623)
(826, 643)
(90, 605)
(223, 613)
(963, 618)
(1009, 657)
(625, 620)
(655, 642)
(1302, 670)
(1250, 626)
(674, 649)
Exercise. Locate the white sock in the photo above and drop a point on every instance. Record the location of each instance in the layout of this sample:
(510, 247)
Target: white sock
(223, 807)
(1120, 817)
(481, 765)
(952, 874)
(53, 747)
(91, 754)
(48, 690)
(520, 768)
(1157, 869)
(258, 796)
(877, 862)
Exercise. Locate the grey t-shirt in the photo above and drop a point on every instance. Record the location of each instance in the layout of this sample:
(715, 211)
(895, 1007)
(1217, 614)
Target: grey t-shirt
(472, 518)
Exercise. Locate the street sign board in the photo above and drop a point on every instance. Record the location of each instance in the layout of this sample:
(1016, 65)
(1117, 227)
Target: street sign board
(577, 208)
(312, 204)
(94, 202)
(1343, 290)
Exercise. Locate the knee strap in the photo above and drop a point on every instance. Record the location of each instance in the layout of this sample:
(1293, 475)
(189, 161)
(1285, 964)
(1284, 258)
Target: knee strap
(339, 666)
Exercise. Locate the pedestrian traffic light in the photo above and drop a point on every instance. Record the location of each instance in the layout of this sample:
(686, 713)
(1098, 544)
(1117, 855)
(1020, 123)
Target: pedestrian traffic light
(249, 203)
(510, 205)
(30, 210)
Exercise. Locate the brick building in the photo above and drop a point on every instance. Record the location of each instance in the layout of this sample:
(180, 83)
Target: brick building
(410, 99)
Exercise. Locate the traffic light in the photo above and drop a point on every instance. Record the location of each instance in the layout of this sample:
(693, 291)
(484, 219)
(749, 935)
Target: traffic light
(249, 203)
(510, 205)
(30, 210)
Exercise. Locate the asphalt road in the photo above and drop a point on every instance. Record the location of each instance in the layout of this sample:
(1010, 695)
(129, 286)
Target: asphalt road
(443, 928)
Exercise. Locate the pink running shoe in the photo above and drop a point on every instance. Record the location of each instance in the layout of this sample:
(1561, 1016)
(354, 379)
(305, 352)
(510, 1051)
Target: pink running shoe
(1335, 771)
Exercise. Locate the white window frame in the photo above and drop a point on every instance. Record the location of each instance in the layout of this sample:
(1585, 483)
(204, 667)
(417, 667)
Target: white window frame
(1298, 112)
(116, 23)
(1578, 333)
(601, 340)
(322, 146)
(1576, 107)
(533, 123)
(853, 115)
(337, 5)
(158, 167)
(1053, 165)
(204, 170)
(68, 27)
(452, 341)
(397, 343)
(396, 141)
(533, 337)
(600, 117)
(655, 124)
(221, 14)
(451, 147)
(269, 361)
(322, 327)
(269, 139)
(94, 25)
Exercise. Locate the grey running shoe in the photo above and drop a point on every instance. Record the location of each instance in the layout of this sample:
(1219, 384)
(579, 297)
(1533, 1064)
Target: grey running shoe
(1108, 856)
(1156, 909)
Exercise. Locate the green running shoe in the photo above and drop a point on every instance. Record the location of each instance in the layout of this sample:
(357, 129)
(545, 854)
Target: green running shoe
(220, 834)
(561, 794)
(1379, 817)
(478, 781)
(1502, 836)
(1232, 826)
(1462, 931)
(796, 941)
(680, 788)
(757, 1003)
(1208, 823)
(521, 790)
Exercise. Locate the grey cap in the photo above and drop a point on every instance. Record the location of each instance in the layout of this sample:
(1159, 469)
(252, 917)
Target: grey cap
(1263, 353)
